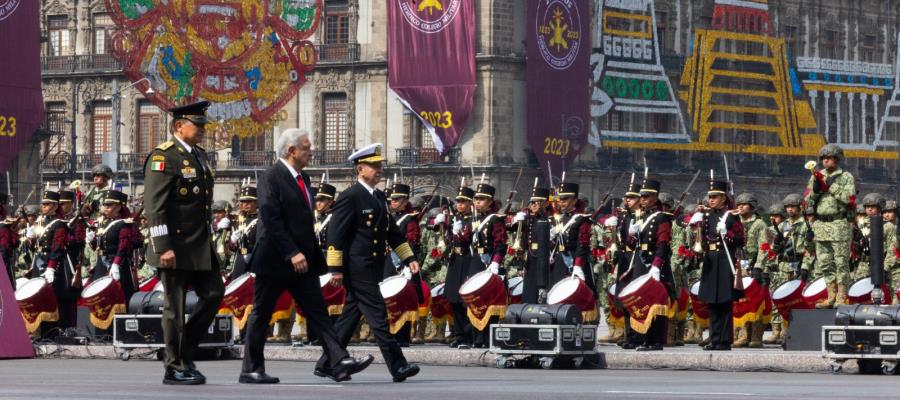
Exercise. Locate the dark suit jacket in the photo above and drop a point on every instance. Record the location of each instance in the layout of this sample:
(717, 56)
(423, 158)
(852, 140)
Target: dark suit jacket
(285, 226)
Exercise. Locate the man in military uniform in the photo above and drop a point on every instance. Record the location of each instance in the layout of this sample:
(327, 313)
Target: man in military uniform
(831, 192)
(115, 242)
(358, 237)
(434, 265)
(407, 220)
(77, 241)
(9, 242)
(873, 203)
(625, 257)
(678, 259)
(890, 211)
(489, 242)
(221, 233)
(243, 236)
(458, 228)
(178, 191)
(49, 237)
(324, 201)
(101, 174)
(753, 261)
(723, 235)
(536, 273)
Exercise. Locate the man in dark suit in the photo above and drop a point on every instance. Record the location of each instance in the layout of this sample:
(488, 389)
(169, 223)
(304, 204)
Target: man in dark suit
(288, 257)
(362, 227)
(178, 191)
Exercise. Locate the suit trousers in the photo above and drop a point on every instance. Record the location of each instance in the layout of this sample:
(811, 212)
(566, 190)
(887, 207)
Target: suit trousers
(461, 327)
(182, 338)
(720, 323)
(364, 299)
(308, 295)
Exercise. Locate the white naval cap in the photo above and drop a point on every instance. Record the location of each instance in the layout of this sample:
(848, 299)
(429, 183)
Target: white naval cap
(369, 154)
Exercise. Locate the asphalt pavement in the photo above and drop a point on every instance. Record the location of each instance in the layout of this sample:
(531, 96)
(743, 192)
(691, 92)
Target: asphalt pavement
(141, 379)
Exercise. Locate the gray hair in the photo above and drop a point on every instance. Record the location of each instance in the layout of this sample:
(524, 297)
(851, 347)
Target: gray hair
(289, 138)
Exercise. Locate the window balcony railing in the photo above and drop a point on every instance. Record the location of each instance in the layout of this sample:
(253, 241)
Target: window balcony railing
(81, 63)
(251, 159)
(338, 52)
(419, 156)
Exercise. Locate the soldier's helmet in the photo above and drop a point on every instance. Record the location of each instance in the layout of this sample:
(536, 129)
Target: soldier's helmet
(666, 199)
(792, 200)
(860, 209)
(890, 205)
(102, 169)
(220, 205)
(32, 209)
(747, 198)
(831, 150)
(776, 209)
(873, 199)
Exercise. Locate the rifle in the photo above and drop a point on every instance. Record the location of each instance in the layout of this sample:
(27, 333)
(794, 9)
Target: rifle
(606, 197)
(513, 192)
(684, 194)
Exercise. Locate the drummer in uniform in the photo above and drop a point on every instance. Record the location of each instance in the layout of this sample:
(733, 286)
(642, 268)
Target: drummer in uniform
(324, 201)
(536, 279)
(625, 273)
(49, 235)
(178, 192)
(360, 231)
(243, 236)
(407, 220)
(489, 242)
(77, 239)
(571, 238)
(719, 227)
(115, 241)
(460, 259)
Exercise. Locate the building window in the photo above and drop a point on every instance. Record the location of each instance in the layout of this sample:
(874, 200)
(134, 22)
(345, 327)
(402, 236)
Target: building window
(829, 41)
(101, 124)
(337, 22)
(261, 142)
(102, 27)
(868, 48)
(151, 129)
(791, 40)
(336, 121)
(661, 25)
(56, 123)
(58, 33)
(417, 135)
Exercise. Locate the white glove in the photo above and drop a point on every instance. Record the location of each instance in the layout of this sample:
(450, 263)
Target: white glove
(555, 230)
(494, 268)
(235, 236)
(654, 273)
(440, 219)
(30, 232)
(634, 229)
(745, 264)
(611, 222)
(720, 227)
(696, 219)
(50, 275)
(578, 272)
(224, 223)
(457, 227)
(520, 216)
(114, 272)
(90, 236)
(407, 273)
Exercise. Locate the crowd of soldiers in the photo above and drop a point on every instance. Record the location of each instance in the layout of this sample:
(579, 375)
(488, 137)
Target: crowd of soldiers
(823, 232)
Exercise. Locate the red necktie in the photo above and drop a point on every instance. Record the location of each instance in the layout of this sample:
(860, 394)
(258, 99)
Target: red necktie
(303, 189)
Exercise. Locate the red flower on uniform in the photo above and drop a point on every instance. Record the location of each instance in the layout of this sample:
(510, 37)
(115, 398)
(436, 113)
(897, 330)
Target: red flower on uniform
(685, 252)
(436, 253)
(896, 252)
(510, 251)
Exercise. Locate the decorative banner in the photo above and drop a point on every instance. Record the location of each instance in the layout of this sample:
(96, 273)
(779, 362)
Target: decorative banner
(558, 74)
(247, 57)
(431, 63)
(21, 100)
(14, 341)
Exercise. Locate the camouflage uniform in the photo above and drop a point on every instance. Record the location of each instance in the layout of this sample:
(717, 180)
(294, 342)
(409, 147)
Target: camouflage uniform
(755, 234)
(832, 194)
(220, 238)
(889, 239)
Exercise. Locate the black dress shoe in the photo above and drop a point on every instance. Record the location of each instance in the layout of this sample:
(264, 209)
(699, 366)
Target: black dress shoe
(406, 371)
(173, 377)
(629, 346)
(193, 369)
(346, 368)
(650, 347)
(717, 347)
(257, 377)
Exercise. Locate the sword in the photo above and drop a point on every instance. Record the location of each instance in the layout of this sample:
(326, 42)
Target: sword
(728, 176)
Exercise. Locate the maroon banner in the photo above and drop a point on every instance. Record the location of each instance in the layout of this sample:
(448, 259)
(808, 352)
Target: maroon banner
(14, 340)
(558, 74)
(21, 101)
(431, 63)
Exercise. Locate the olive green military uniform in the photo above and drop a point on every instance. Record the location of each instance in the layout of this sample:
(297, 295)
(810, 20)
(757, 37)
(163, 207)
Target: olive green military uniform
(832, 228)
(178, 192)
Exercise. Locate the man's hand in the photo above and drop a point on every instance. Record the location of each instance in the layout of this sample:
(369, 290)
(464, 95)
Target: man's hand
(167, 260)
(414, 267)
(114, 272)
(299, 263)
(337, 279)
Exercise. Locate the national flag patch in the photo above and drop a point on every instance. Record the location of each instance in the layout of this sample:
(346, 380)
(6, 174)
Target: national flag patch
(157, 165)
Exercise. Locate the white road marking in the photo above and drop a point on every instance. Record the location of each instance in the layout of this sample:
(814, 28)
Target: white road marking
(679, 393)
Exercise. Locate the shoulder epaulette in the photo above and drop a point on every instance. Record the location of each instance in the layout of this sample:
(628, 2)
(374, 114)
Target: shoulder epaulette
(165, 145)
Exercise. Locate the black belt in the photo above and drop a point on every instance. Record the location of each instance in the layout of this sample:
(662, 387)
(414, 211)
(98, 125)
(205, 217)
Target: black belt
(830, 218)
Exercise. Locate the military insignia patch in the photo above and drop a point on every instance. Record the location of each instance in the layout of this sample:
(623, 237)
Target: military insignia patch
(188, 172)
(158, 166)
(158, 158)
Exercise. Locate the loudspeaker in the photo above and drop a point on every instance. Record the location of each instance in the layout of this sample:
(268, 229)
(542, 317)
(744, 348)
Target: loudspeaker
(805, 330)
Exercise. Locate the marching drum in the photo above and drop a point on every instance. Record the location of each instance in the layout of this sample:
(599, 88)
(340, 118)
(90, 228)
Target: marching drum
(21, 282)
(238, 298)
(572, 290)
(400, 300)
(788, 297)
(678, 307)
(860, 292)
(335, 296)
(615, 313)
(440, 307)
(148, 284)
(750, 307)
(815, 292)
(104, 298)
(37, 303)
(644, 298)
(699, 307)
(485, 295)
(516, 286)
